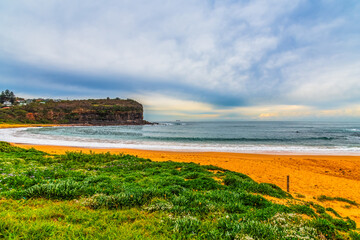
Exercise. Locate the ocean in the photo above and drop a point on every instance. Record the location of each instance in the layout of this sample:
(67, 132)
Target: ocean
(241, 136)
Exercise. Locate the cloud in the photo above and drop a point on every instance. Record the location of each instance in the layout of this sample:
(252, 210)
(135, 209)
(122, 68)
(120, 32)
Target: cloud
(325, 83)
(224, 55)
(169, 42)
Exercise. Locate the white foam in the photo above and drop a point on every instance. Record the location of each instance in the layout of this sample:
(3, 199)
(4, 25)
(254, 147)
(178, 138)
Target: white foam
(166, 124)
(20, 135)
(353, 130)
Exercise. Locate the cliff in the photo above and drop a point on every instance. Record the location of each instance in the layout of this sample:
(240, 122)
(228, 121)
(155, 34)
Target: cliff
(92, 111)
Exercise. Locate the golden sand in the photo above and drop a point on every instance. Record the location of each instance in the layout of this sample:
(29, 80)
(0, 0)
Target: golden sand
(10, 125)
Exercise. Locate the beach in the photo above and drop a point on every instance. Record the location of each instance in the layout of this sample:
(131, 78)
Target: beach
(310, 175)
(10, 125)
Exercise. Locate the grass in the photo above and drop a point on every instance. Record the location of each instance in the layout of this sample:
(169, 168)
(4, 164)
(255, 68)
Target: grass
(340, 199)
(105, 196)
(298, 195)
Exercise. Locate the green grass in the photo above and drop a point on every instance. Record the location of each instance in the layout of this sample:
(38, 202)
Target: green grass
(298, 195)
(340, 199)
(105, 196)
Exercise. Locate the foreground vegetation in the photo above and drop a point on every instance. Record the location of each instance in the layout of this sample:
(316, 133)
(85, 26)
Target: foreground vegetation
(104, 196)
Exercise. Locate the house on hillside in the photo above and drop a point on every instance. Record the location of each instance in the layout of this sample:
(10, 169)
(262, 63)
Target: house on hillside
(7, 104)
(21, 102)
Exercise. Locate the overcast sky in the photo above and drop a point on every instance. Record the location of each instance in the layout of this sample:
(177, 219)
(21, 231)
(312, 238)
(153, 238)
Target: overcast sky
(189, 60)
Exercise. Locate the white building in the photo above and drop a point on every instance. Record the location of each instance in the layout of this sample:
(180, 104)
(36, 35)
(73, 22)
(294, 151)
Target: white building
(7, 104)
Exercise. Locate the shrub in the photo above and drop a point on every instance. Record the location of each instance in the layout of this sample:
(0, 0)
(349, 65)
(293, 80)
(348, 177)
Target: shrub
(203, 183)
(340, 199)
(249, 185)
(235, 207)
(324, 227)
(303, 209)
(259, 230)
(159, 205)
(333, 211)
(344, 225)
(186, 225)
(7, 148)
(62, 190)
(193, 175)
(134, 198)
(354, 235)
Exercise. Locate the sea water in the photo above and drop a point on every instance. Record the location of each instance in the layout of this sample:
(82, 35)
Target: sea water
(242, 136)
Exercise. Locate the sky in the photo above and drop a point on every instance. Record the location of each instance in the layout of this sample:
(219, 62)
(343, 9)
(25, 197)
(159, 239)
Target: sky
(203, 60)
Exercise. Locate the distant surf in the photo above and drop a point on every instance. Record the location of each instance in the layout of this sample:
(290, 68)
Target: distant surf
(244, 137)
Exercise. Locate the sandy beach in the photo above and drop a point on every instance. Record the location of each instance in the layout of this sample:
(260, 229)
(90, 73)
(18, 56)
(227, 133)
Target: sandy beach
(10, 125)
(311, 176)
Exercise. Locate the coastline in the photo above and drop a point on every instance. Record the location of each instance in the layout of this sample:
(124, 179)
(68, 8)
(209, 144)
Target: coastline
(310, 175)
(13, 133)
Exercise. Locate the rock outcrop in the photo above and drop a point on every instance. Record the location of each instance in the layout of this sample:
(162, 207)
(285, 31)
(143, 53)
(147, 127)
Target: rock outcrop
(92, 112)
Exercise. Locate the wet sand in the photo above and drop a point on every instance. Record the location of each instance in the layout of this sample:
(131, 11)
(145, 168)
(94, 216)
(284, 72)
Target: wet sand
(311, 176)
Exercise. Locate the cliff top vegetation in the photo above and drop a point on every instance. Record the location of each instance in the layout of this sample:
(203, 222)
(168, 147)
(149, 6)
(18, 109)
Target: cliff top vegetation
(92, 111)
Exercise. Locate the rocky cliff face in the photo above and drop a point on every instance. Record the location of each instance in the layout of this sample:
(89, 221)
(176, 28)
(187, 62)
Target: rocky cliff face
(93, 111)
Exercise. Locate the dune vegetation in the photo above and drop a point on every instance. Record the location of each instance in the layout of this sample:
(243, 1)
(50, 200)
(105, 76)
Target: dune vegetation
(108, 196)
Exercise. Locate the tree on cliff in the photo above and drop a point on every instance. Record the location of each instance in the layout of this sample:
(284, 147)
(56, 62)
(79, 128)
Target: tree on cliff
(7, 95)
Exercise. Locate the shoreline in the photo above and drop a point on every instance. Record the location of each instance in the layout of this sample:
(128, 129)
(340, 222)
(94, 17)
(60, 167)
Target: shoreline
(285, 150)
(26, 125)
(29, 125)
(258, 152)
(310, 175)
